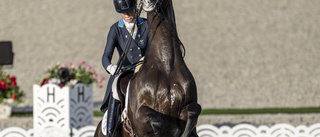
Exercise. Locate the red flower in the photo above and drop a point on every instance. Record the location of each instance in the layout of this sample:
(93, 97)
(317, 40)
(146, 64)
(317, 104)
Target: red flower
(3, 85)
(13, 79)
(62, 85)
(13, 96)
(44, 82)
(13, 83)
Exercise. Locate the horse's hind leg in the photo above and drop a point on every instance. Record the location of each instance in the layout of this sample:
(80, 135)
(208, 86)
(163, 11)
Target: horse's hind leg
(193, 112)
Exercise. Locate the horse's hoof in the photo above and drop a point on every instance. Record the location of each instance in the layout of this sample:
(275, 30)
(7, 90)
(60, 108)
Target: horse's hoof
(194, 110)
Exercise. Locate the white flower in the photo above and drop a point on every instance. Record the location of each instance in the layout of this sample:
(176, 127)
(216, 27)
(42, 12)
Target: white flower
(73, 81)
(54, 81)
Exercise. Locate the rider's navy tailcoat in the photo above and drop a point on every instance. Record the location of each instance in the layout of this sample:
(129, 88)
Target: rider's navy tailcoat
(117, 39)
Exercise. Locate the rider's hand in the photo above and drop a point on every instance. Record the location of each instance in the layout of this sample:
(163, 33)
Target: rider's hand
(112, 69)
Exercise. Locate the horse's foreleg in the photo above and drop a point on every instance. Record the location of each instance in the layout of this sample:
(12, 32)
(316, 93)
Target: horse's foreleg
(192, 114)
(150, 118)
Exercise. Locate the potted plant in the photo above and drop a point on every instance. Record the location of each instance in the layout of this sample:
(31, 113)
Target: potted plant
(69, 75)
(9, 93)
(64, 98)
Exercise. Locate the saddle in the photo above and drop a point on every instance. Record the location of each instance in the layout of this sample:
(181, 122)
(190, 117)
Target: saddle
(121, 82)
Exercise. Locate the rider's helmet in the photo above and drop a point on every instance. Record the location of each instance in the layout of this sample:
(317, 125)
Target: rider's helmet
(124, 6)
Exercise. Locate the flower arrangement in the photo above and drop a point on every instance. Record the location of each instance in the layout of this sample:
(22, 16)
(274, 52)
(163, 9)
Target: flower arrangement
(9, 88)
(69, 75)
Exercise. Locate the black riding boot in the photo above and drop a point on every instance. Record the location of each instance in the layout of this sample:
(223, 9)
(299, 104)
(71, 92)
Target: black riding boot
(113, 111)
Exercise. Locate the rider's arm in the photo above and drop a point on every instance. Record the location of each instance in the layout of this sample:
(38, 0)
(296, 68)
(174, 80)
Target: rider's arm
(112, 43)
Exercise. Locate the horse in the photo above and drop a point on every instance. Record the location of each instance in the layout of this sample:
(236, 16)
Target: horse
(163, 93)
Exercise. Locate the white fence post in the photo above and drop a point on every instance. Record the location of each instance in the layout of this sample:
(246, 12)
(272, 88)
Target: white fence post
(61, 108)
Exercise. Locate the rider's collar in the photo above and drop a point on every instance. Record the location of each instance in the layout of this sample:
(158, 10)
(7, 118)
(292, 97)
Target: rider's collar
(121, 22)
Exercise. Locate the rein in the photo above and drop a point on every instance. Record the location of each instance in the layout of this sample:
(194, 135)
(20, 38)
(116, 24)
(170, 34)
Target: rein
(127, 123)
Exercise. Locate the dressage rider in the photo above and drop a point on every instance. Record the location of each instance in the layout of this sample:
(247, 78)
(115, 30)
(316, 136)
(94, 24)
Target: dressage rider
(118, 36)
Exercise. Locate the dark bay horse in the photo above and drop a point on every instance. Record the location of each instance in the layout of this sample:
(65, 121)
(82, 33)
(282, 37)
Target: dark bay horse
(163, 93)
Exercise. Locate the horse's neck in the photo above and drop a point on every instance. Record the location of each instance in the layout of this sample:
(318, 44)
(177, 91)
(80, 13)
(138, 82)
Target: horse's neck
(164, 17)
(163, 47)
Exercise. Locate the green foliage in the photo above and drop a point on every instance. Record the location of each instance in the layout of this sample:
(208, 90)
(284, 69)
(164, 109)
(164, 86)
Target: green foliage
(260, 111)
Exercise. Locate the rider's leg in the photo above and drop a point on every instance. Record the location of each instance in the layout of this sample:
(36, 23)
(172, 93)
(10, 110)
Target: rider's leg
(106, 100)
(113, 112)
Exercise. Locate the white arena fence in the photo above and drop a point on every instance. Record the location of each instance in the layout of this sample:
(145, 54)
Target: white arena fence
(87, 131)
(247, 130)
(206, 130)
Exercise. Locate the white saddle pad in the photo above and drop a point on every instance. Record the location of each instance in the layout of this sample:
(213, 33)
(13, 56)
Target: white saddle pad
(104, 123)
